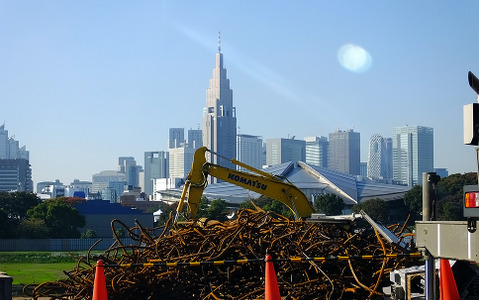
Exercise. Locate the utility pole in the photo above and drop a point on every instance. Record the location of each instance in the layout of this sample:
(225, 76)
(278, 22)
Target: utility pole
(429, 198)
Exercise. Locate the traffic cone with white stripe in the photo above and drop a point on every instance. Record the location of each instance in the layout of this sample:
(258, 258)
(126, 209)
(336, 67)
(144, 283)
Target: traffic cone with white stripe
(99, 286)
(271, 288)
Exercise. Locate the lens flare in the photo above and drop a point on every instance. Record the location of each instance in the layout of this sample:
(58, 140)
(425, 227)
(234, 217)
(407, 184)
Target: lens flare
(354, 58)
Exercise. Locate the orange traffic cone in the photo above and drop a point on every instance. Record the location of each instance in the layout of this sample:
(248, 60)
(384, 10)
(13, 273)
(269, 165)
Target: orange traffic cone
(448, 287)
(99, 286)
(271, 288)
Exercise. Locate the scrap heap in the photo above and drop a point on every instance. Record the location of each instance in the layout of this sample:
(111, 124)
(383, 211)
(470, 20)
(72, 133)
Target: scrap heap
(225, 260)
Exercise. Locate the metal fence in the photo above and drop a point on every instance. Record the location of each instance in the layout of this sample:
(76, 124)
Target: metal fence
(58, 244)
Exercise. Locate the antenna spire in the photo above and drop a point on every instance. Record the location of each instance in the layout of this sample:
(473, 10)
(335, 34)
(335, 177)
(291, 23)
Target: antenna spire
(219, 41)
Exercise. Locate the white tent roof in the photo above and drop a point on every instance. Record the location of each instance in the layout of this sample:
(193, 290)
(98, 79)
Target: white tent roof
(312, 180)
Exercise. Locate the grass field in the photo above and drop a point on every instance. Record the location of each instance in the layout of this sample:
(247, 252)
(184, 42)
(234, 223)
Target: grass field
(35, 273)
(37, 267)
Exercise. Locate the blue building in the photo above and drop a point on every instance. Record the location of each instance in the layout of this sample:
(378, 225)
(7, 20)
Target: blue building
(100, 213)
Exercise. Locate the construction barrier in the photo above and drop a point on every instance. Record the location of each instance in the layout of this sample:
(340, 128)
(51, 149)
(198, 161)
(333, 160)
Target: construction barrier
(258, 260)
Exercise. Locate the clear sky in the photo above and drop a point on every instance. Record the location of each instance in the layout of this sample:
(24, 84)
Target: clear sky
(84, 82)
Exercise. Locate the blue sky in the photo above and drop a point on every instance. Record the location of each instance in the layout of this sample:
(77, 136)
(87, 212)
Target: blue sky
(84, 82)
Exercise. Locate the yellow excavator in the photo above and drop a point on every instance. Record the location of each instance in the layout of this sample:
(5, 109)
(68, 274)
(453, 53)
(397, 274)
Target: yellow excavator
(261, 182)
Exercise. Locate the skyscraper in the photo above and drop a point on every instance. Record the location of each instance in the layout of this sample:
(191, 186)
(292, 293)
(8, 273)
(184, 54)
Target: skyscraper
(15, 175)
(176, 137)
(4, 148)
(380, 157)
(413, 153)
(281, 150)
(344, 152)
(10, 148)
(181, 152)
(317, 151)
(195, 138)
(156, 166)
(15, 169)
(250, 151)
(180, 161)
(219, 115)
(127, 165)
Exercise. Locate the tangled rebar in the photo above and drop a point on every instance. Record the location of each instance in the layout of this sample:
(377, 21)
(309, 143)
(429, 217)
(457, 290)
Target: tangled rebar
(209, 259)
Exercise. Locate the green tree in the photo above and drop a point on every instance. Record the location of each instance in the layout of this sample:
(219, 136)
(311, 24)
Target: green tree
(91, 234)
(279, 208)
(5, 224)
(329, 204)
(376, 208)
(217, 210)
(268, 204)
(61, 219)
(449, 208)
(450, 195)
(203, 208)
(16, 204)
(166, 209)
(261, 202)
(453, 184)
(14, 207)
(33, 229)
(120, 232)
(413, 201)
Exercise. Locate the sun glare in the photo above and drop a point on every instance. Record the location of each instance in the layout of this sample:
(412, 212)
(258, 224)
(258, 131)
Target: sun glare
(354, 58)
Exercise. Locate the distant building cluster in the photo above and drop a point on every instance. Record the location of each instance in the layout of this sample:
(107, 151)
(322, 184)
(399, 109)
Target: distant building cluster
(399, 159)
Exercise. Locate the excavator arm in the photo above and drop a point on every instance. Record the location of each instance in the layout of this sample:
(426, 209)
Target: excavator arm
(261, 182)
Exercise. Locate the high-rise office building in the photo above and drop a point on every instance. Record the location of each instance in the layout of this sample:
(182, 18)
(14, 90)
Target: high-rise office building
(344, 152)
(156, 166)
(363, 168)
(128, 166)
(380, 158)
(219, 115)
(180, 161)
(10, 148)
(15, 169)
(282, 150)
(15, 175)
(195, 138)
(181, 152)
(176, 138)
(4, 147)
(250, 151)
(317, 151)
(413, 153)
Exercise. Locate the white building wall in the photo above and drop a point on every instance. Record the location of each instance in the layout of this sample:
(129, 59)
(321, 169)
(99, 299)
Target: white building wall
(413, 153)
(250, 151)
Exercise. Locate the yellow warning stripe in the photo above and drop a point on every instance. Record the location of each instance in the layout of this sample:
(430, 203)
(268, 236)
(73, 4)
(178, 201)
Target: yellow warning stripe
(156, 263)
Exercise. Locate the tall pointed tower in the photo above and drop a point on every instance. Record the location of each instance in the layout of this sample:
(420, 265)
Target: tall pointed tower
(219, 115)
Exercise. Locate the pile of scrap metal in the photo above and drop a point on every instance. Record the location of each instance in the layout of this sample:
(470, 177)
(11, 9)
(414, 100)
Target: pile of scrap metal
(225, 260)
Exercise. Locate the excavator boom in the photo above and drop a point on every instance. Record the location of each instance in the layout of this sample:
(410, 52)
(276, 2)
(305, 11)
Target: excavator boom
(260, 182)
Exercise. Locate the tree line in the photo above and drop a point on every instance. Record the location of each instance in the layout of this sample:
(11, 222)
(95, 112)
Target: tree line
(24, 215)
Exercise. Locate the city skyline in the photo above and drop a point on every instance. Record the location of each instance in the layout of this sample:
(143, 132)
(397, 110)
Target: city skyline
(183, 150)
(81, 94)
